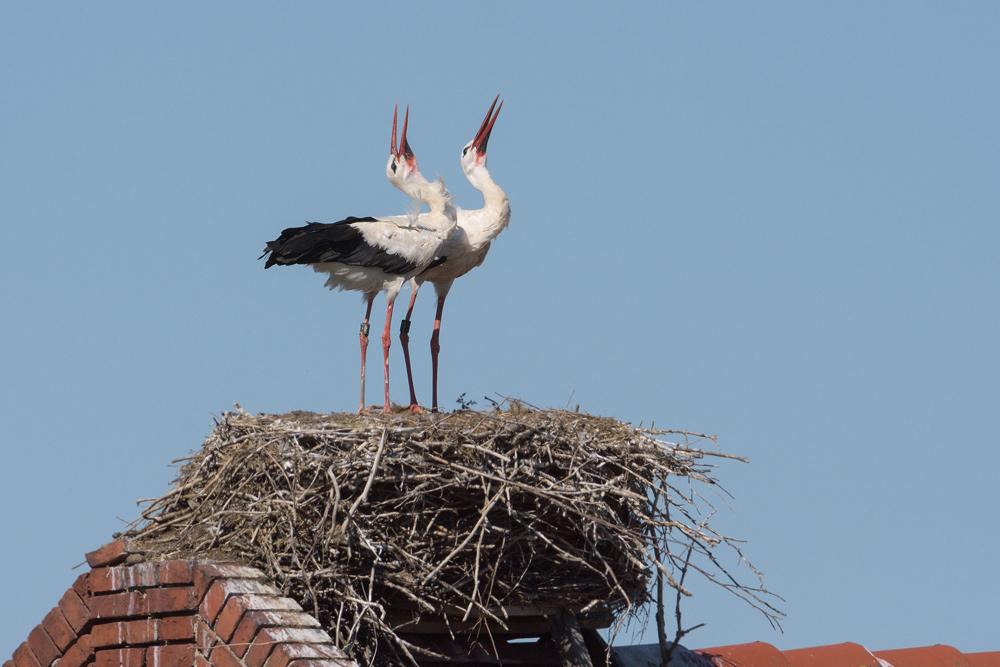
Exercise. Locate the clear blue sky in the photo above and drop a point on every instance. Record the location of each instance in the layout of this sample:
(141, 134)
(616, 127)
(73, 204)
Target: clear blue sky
(778, 223)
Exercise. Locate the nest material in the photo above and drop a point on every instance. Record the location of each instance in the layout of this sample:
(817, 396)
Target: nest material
(461, 515)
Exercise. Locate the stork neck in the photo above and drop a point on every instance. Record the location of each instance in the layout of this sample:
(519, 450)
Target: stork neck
(484, 225)
(443, 214)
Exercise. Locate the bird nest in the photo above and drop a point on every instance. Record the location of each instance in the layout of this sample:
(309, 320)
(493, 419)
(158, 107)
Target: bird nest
(375, 523)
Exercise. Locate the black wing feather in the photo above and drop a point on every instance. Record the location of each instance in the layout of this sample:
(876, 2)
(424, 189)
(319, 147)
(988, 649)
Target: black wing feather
(332, 242)
(438, 261)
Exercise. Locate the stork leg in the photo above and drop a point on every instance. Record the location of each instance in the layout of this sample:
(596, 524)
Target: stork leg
(364, 351)
(404, 339)
(435, 348)
(386, 342)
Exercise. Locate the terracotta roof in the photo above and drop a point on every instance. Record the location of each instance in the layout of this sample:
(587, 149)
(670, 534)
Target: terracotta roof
(761, 654)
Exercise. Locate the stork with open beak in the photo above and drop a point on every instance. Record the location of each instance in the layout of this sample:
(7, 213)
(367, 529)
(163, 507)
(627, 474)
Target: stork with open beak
(377, 253)
(465, 248)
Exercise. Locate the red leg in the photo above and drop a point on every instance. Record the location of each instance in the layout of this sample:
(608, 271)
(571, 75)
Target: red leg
(364, 351)
(404, 339)
(435, 348)
(386, 342)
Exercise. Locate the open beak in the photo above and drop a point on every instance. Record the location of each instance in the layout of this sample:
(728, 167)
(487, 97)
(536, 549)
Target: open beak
(392, 146)
(483, 136)
(404, 145)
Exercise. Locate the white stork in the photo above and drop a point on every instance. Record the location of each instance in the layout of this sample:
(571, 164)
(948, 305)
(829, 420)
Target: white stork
(465, 248)
(374, 254)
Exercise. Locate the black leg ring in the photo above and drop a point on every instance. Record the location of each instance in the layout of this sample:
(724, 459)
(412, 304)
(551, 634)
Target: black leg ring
(404, 326)
(365, 328)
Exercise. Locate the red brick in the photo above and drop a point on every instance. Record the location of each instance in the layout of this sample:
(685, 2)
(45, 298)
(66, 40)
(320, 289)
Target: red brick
(112, 579)
(285, 618)
(172, 599)
(268, 603)
(212, 601)
(78, 654)
(42, 646)
(223, 657)
(175, 655)
(252, 621)
(105, 579)
(331, 651)
(74, 610)
(143, 631)
(267, 638)
(260, 650)
(136, 603)
(206, 573)
(111, 553)
(222, 590)
(120, 657)
(130, 633)
(117, 605)
(285, 653)
(205, 637)
(104, 635)
(59, 630)
(23, 656)
(141, 575)
(82, 586)
(201, 661)
(229, 619)
(175, 572)
(9, 663)
(322, 662)
(175, 628)
(244, 634)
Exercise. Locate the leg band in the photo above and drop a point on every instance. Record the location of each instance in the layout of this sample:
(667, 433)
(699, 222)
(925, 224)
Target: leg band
(404, 326)
(365, 328)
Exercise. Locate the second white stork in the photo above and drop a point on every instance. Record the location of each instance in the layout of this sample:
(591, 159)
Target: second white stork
(376, 253)
(465, 248)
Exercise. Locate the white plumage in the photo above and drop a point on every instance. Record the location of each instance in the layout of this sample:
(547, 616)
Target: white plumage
(375, 254)
(466, 246)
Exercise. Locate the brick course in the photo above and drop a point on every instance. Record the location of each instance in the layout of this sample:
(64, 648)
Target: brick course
(43, 647)
(23, 657)
(59, 629)
(78, 654)
(181, 613)
(74, 610)
(121, 657)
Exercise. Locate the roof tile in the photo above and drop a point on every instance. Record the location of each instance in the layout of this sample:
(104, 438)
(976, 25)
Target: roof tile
(938, 655)
(988, 659)
(758, 654)
(847, 654)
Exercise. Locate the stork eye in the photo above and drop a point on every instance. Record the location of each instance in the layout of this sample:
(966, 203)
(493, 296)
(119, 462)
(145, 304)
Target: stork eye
(465, 150)
(394, 166)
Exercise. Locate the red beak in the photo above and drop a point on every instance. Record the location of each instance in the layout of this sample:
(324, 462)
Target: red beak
(392, 146)
(483, 136)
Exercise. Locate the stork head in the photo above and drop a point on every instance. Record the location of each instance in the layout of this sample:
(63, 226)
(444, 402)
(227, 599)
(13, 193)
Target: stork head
(402, 169)
(474, 152)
